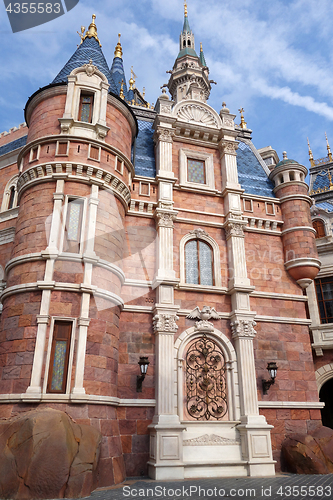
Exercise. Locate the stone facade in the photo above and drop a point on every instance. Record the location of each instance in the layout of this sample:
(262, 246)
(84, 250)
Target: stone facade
(99, 243)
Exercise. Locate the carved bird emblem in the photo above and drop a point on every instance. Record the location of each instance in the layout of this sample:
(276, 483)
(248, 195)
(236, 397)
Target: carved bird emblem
(205, 314)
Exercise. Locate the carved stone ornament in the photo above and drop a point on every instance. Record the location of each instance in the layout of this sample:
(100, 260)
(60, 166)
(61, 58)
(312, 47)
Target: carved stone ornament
(235, 228)
(199, 232)
(228, 147)
(165, 323)
(243, 328)
(204, 315)
(166, 109)
(197, 114)
(210, 440)
(165, 134)
(90, 68)
(165, 219)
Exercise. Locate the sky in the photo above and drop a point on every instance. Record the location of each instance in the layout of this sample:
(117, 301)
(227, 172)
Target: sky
(274, 59)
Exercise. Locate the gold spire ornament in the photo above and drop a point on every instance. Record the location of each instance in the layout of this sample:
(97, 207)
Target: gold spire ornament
(185, 8)
(328, 149)
(121, 93)
(312, 163)
(92, 31)
(83, 29)
(243, 122)
(118, 51)
(132, 80)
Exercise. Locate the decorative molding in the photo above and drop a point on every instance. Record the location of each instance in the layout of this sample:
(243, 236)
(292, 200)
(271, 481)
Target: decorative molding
(243, 328)
(199, 233)
(90, 69)
(197, 114)
(228, 147)
(164, 134)
(291, 404)
(210, 440)
(203, 315)
(87, 174)
(165, 323)
(7, 235)
(75, 399)
(165, 219)
(234, 226)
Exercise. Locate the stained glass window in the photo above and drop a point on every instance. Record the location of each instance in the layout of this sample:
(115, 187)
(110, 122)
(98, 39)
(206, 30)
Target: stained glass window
(324, 288)
(86, 105)
(57, 380)
(199, 263)
(73, 226)
(196, 171)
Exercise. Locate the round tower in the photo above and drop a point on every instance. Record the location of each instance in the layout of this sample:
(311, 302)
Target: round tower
(61, 306)
(298, 235)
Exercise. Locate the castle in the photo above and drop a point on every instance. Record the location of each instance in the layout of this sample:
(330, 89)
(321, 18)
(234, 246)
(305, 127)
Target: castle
(157, 239)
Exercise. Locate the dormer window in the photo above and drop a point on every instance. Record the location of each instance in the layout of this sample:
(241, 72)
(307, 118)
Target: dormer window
(86, 108)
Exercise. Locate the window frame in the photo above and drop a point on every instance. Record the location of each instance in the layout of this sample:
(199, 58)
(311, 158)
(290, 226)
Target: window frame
(270, 204)
(318, 281)
(49, 360)
(86, 93)
(68, 200)
(31, 156)
(208, 159)
(99, 153)
(57, 148)
(216, 262)
(245, 200)
(198, 262)
(140, 189)
(319, 221)
(12, 183)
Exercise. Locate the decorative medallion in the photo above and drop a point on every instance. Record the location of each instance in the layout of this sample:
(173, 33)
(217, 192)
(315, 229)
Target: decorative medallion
(165, 323)
(197, 114)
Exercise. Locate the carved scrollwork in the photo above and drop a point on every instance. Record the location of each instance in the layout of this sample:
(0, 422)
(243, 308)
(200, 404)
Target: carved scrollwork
(165, 323)
(198, 114)
(164, 134)
(199, 232)
(228, 147)
(90, 68)
(243, 328)
(165, 219)
(235, 228)
(210, 440)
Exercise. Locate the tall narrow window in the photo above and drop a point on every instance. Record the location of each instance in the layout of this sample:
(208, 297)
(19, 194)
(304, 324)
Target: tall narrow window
(324, 289)
(319, 227)
(199, 263)
(196, 171)
(58, 371)
(86, 108)
(11, 198)
(73, 227)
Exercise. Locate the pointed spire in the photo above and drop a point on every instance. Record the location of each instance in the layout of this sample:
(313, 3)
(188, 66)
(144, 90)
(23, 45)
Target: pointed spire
(92, 31)
(312, 163)
(186, 27)
(202, 57)
(328, 149)
(243, 122)
(118, 50)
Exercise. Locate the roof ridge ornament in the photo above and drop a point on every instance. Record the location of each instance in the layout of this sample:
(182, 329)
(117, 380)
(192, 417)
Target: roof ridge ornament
(328, 149)
(185, 8)
(310, 154)
(243, 122)
(118, 50)
(91, 33)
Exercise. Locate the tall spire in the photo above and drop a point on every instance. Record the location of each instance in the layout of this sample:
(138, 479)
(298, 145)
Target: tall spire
(186, 40)
(117, 71)
(310, 154)
(328, 149)
(186, 27)
(202, 57)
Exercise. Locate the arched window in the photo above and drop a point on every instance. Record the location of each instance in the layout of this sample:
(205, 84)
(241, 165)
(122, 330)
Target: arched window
(9, 199)
(199, 264)
(319, 226)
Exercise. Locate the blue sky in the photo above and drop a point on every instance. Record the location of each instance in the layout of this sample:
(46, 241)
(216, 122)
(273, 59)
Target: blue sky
(272, 58)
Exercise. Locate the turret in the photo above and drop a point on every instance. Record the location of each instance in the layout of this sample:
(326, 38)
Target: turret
(298, 235)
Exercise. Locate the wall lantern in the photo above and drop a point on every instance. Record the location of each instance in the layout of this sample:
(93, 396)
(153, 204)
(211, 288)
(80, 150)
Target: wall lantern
(143, 363)
(272, 370)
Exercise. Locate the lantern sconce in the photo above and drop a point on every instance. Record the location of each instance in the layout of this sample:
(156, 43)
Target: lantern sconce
(143, 363)
(272, 370)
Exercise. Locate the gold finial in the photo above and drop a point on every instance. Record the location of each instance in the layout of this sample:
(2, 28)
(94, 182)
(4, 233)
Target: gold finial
(328, 149)
(312, 163)
(144, 92)
(118, 51)
(92, 31)
(330, 179)
(200, 46)
(121, 93)
(243, 122)
(132, 79)
(185, 8)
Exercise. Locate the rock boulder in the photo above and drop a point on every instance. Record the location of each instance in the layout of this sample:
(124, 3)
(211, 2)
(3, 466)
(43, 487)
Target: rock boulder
(309, 453)
(45, 454)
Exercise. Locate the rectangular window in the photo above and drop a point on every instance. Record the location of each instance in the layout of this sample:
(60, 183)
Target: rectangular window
(58, 371)
(86, 108)
(34, 153)
(324, 289)
(94, 153)
(196, 171)
(62, 149)
(144, 188)
(73, 226)
(119, 165)
(248, 206)
(270, 209)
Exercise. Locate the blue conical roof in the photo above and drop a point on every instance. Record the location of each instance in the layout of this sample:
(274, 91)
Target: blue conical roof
(118, 74)
(89, 49)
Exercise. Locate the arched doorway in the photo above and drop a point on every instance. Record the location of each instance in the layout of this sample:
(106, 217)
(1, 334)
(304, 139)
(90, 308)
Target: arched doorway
(326, 396)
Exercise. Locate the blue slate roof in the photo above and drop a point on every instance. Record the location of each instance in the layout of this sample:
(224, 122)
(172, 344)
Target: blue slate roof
(251, 174)
(89, 49)
(11, 146)
(144, 150)
(118, 74)
(322, 181)
(326, 205)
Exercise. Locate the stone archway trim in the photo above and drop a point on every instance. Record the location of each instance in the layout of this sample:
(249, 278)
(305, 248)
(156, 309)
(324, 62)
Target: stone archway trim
(324, 374)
